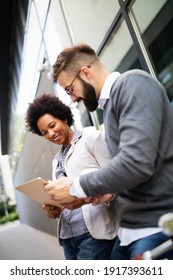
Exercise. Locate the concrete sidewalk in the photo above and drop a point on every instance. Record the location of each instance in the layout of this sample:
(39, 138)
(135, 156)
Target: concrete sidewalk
(22, 242)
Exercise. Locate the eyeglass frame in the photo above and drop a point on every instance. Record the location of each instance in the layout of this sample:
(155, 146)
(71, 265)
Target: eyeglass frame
(67, 88)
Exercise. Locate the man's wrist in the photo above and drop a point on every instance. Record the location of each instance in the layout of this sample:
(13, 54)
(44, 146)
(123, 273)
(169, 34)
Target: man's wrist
(75, 189)
(72, 189)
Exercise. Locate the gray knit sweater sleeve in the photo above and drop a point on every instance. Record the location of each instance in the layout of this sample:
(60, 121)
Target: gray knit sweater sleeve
(137, 115)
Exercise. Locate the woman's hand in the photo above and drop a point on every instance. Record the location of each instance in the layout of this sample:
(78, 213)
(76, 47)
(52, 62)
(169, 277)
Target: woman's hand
(52, 211)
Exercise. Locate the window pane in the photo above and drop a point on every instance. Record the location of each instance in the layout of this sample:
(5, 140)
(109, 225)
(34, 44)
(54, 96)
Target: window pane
(41, 7)
(119, 53)
(89, 20)
(155, 21)
(55, 35)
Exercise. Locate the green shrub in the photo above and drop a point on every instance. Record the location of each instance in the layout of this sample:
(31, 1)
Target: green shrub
(12, 213)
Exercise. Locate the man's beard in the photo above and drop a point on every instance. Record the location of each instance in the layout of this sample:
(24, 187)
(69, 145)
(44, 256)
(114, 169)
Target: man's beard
(89, 100)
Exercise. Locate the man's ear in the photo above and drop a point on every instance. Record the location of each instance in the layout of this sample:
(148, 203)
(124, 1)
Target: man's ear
(85, 73)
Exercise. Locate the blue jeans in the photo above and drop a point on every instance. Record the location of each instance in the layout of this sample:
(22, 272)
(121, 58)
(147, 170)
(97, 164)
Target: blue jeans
(85, 247)
(140, 246)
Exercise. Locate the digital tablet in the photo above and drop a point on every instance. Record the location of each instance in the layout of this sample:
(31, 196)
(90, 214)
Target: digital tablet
(35, 190)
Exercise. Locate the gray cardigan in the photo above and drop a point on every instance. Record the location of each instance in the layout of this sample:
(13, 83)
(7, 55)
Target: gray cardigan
(138, 122)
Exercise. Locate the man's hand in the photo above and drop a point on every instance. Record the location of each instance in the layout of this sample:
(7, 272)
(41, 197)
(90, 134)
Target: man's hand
(104, 198)
(77, 203)
(59, 190)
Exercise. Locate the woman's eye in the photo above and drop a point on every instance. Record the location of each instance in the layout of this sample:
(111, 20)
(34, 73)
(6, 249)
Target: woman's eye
(53, 125)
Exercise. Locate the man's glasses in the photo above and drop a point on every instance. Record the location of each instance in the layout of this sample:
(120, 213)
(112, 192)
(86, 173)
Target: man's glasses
(68, 89)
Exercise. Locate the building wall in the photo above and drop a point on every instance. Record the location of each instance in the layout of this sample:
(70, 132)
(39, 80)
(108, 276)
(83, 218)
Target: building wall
(35, 161)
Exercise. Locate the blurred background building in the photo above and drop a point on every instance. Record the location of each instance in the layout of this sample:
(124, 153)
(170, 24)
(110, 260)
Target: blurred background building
(125, 34)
